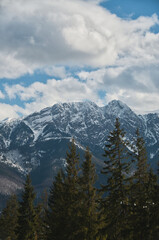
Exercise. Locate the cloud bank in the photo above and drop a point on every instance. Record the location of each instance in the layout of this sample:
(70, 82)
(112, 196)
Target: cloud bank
(52, 34)
(39, 33)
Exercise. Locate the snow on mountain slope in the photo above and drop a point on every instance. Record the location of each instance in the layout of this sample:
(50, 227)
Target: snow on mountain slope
(34, 138)
(37, 144)
(119, 109)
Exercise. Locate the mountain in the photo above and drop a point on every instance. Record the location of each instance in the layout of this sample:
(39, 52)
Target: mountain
(38, 142)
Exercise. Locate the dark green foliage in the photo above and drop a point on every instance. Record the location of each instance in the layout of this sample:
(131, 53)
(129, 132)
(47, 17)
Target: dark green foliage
(57, 213)
(141, 173)
(115, 202)
(9, 219)
(41, 212)
(73, 201)
(71, 190)
(27, 221)
(156, 200)
(128, 210)
(64, 200)
(89, 221)
(72, 168)
(139, 198)
(153, 206)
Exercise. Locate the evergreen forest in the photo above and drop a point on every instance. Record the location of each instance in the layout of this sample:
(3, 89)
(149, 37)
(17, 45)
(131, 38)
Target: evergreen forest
(124, 207)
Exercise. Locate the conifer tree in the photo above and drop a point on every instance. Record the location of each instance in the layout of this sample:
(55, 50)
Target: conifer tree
(139, 201)
(56, 214)
(41, 211)
(141, 173)
(27, 220)
(89, 200)
(71, 184)
(9, 219)
(152, 206)
(63, 215)
(156, 200)
(115, 201)
(72, 167)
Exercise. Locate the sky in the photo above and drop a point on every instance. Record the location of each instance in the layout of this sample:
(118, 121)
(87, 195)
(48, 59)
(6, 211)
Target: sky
(78, 50)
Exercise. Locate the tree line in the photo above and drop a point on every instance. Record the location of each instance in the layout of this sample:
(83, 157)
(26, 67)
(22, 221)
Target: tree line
(125, 207)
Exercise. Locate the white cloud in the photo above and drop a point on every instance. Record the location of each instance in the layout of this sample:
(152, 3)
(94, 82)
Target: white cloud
(36, 34)
(141, 103)
(136, 86)
(55, 71)
(48, 35)
(7, 110)
(11, 67)
(39, 95)
(2, 96)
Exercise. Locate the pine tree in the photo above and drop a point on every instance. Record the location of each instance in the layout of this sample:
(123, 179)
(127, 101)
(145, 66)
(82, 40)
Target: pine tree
(27, 221)
(156, 201)
(71, 184)
(9, 219)
(57, 213)
(41, 211)
(152, 206)
(115, 201)
(139, 201)
(63, 216)
(89, 200)
(72, 167)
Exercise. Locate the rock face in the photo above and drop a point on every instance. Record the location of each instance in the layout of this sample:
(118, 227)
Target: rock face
(38, 143)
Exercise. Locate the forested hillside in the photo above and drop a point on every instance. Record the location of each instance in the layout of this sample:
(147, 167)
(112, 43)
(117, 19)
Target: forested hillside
(124, 207)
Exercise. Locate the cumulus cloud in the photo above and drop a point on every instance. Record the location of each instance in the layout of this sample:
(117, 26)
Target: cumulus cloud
(10, 67)
(137, 86)
(39, 33)
(55, 71)
(48, 35)
(39, 95)
(7, 110)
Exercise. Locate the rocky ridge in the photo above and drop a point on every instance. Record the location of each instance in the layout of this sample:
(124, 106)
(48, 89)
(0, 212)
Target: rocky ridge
(38, 142)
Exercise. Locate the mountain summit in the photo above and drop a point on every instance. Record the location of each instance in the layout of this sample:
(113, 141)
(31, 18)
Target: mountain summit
(117, 108)
(38, 142)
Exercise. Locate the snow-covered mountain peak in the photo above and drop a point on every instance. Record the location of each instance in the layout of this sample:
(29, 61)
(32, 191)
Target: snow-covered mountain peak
(118, 109)
(80, 106)
(117, 105)
(10, 121)
(36, 142)
(76, 115)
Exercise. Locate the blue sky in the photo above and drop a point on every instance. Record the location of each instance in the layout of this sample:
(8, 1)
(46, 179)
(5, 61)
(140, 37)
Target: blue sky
(133, 8)
(52, 51)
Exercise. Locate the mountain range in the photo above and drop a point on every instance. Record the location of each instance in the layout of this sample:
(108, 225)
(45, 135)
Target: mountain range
(37, 144)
